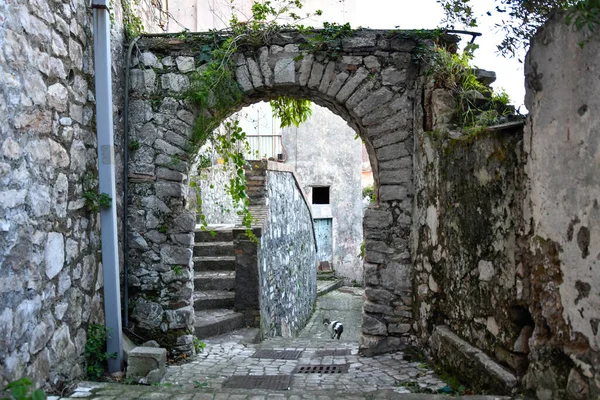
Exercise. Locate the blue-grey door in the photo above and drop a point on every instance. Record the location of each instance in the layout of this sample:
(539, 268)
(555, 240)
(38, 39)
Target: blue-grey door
(323, 230)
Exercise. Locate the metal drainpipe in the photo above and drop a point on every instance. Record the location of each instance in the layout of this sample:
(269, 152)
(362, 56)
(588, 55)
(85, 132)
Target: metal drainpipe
(106, 178)
(126, 186)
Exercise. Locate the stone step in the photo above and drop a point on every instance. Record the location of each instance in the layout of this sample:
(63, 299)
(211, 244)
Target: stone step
(213, 249)
(214, 234)
(214, 280)
(216, 322)
(212, 299)
(240, 336)
(324, 287)
(214, 263)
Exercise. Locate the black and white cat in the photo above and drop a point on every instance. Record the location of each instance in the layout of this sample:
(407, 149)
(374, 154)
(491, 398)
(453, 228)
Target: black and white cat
(335, 327)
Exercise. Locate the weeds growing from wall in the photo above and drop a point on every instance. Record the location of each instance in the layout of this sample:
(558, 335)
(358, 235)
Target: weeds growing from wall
(22, 389)
(478, 105)
(216, 89)
(95, 353)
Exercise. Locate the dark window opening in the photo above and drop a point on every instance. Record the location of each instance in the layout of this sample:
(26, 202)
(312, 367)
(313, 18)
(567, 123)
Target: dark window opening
(320, 195)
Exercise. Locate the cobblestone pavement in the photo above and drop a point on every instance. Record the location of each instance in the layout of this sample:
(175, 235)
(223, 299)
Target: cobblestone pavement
(379, 377)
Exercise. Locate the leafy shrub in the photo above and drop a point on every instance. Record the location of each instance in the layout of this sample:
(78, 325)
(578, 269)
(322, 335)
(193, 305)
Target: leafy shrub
(95, 350)
(20, 390)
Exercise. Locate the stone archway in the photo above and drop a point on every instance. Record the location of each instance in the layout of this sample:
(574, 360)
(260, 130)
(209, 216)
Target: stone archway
(373, 86)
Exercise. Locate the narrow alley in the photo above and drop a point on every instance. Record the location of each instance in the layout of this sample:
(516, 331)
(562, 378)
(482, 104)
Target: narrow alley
(310, 366)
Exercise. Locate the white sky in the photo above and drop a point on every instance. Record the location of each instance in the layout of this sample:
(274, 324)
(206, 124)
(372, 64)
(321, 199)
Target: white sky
(378, 14)
(424, 14)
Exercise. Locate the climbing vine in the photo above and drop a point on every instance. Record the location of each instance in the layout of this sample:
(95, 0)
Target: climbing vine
(215, 88)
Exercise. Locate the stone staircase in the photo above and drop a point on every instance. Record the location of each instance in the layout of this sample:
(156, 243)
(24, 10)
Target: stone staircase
(214, 283)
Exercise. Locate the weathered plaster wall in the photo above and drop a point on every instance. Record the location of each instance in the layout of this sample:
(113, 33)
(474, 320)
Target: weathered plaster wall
(562, 211)
(323, 152)
(217, 206)
(287, 259)
(468, 208)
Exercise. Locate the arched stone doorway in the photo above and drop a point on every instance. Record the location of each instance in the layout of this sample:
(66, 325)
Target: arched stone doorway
(372, 85)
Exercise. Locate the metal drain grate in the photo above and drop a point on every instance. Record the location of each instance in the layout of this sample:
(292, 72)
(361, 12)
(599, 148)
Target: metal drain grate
(321, 369)
(333, 353)
(275, 382)
(278, 354)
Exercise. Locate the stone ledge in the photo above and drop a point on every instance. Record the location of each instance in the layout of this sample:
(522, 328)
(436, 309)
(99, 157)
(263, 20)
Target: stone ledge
(147, 363)
(470, 363)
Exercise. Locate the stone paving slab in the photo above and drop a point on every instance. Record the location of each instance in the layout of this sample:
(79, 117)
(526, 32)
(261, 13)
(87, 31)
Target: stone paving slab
(380, 377)
(112, 391)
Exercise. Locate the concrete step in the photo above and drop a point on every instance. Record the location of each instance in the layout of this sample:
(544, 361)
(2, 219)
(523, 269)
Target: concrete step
(324, 287)
(216, 322)
(214, 263)
(214, 233)
(243, 336)
(213, 249)
(211, 299)
(214, 280)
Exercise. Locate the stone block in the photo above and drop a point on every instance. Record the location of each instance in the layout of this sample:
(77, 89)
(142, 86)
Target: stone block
(147, 363)
(328, 77)
(377, 218)
(392, 192)
(375, 100)
(255, 75)
(285, 71)
(305, 68)
(337, 84)
(351, 85)
(392, 152)
(316, 75)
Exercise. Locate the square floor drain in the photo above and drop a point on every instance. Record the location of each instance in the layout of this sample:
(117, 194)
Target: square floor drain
(274, 382)
(278, 354)
(321, 369)
(332, 353)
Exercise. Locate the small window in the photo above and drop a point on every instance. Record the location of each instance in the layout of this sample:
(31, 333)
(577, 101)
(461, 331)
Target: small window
(320, 195)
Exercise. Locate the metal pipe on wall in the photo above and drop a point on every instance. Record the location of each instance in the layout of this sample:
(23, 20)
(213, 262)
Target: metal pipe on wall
(106, 178)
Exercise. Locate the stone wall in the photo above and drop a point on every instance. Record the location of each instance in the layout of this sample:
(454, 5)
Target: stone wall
(50, 281)
(217, 206)
(162, 208)
(466, 225)
(323, 152)
(372, 86)
(51, 275)
(287, 259)
(562, 212)
(506, 234)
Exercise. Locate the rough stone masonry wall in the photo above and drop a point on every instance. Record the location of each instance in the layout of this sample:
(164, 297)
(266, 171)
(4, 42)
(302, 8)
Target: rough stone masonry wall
(371, 86)
(161, 212)
(287, 259)
(468, 206)
(50, 279)
(50, 274)
(562, 211)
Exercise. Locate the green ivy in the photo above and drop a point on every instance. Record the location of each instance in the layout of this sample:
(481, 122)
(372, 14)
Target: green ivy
(95, 350)
(216, 92)
(21, 389)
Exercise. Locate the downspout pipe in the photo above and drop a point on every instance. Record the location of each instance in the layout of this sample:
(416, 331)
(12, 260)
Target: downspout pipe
(106, 178)
(126, 185)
